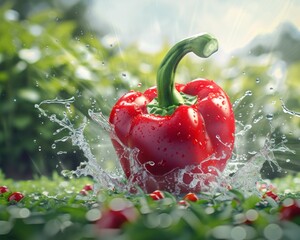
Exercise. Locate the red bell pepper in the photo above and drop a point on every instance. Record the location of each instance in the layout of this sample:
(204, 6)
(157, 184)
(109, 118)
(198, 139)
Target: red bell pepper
(183, 134)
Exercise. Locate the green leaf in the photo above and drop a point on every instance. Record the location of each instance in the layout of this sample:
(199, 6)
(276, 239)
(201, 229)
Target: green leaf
(251, 202)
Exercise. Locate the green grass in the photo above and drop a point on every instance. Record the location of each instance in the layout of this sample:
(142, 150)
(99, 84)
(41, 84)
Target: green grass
(54, 209)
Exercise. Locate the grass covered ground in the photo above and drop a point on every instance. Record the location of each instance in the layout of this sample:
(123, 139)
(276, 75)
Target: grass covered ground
(56, 208)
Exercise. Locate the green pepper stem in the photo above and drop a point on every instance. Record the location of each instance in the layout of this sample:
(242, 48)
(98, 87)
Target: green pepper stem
(203, 45)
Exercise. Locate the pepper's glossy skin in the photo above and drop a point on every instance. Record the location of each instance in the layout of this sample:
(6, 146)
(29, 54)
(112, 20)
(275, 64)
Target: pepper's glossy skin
(200, 136)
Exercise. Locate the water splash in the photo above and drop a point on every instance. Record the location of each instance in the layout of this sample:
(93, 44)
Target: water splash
(241, 171)
(247, 175)
(239, 100)
(287, 110)
(76, 136)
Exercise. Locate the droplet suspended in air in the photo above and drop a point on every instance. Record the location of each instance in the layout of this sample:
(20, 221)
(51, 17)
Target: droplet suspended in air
(248, 93)
(269, 116)
(68, 105)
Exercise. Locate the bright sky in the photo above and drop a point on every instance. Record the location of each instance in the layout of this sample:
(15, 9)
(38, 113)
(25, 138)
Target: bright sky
(233, 22)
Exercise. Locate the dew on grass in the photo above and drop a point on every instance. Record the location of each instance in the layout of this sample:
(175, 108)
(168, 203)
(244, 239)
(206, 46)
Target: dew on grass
(238, 233)
(24, 213)
(273, 232)
(93, 214)
(251, 215)
(5, 227)
(52, 227)
(222, 232)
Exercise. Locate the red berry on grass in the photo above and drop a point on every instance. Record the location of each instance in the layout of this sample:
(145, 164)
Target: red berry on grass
(290, 209)
(271, 195)
(113, 219)
(15, 196)
(120, 212)
(157, 195)
(191, 197)
(183, 203)
(160, 194)
(154, 196)
(3, 189)
(83, 192)
(88, 187)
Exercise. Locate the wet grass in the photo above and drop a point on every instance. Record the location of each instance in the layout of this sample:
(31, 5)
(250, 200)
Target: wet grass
(54, 208)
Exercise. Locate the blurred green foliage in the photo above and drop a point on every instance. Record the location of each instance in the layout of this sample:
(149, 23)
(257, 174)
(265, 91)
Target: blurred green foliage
(48, 53)
(40, 59)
